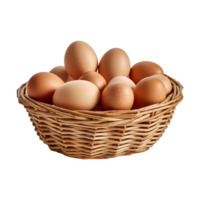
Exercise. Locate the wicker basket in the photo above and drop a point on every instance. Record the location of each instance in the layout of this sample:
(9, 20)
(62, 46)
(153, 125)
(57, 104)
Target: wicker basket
(102, 134)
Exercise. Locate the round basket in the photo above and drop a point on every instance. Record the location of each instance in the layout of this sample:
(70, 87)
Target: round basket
(102, 134)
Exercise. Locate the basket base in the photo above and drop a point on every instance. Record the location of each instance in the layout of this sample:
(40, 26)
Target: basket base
(99, 156)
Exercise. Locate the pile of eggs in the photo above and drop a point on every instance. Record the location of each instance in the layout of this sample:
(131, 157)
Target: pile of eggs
(84, 84)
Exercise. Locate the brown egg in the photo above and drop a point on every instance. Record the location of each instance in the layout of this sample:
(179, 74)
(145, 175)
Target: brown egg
(77, 95)
(144, 69)
(79, 59)
(114, 62)
(61, 72)
(42, 86)
(94, 78)
(117, 96)
(165, 81)
(149, 91)
(124, 79)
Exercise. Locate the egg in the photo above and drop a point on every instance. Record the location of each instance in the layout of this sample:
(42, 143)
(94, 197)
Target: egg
(149, 91)
(165, 81)
(117, 96)
(77, 95)
(94, 78)
(114, 62)
(61, 72)
(144, 69)
(124, 79)
(79, 59)
(42, 86)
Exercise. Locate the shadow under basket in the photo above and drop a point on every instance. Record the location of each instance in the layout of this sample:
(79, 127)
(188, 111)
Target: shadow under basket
(100, 134)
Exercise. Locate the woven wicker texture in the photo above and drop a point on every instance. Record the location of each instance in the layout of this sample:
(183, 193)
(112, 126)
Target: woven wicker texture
(102, 134)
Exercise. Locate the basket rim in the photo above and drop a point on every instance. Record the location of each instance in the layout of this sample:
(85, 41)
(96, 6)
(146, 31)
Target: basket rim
(175, 95)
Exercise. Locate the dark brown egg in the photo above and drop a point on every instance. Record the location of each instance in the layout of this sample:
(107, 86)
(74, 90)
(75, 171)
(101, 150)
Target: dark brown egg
(149, 91)
(144, 69)
(42, 86)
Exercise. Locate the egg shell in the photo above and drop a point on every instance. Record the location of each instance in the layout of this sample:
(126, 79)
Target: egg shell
(165, 81)
(123, 79)
(144, 69)
(77, 95)
(61, 72)
(79, 59)
(114, 62)
(42, 86)
(117, 96)
(149, 91)
(94, 78)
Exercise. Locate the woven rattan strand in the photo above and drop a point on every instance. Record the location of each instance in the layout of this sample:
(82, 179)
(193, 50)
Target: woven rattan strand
(102, 134)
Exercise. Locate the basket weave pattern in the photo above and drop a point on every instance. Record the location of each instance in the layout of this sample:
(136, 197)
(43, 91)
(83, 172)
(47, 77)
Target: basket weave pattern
(102, 134)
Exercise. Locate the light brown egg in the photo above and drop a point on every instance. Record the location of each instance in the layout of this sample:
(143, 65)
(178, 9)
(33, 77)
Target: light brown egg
(149, 91)
(144, 69)
(165, 81)
(61, 72)
(117, 96)
(114, 62)
(94, 78)
(42, 86)
(77, 95)
(124, 79)
(79, 59)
